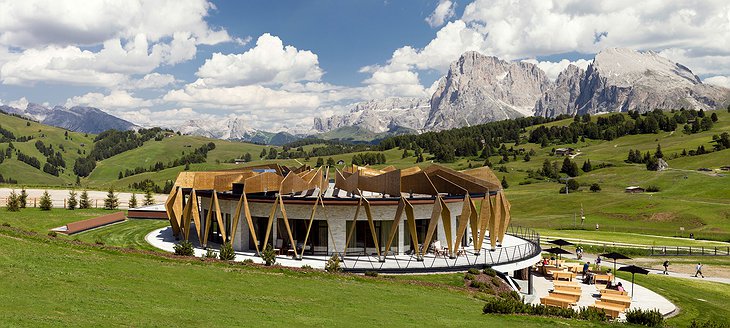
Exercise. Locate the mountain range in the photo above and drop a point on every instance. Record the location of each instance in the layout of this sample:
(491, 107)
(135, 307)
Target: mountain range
(476, 89)
(77, 118)
(479, 89)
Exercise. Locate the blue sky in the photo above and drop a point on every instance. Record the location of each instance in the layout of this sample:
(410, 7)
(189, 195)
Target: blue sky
(277, 64)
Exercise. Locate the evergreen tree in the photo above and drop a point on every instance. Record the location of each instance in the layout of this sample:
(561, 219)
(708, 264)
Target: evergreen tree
(569, 167)
(505, 185)
(78, 181)
(330, 161)
(658, 153)
(120, 176)
(45, 203)
(320, 161)
(527, 157)
(13, 202)
(84, 200)
(133, 201)
(263, 153)
(713, 117)
(419, 159)
(587, 167)
(111, 202)
(148, 198)
(187, 167)
(71, 204)
(405, 153)
(487, 163)
(23, 198)
(247, 157)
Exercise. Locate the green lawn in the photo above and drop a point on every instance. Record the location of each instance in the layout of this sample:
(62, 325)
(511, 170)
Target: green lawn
(129, 234)
(41, 221)
(696, 299)
(53, 283)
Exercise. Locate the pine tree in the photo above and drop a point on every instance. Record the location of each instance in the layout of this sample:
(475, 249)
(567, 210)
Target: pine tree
(587, 167)
(527, 157)
(45, 203)
(78, 180)
(505, 185)
(133, 201)
(71, 204)
(187, 167)
(84, 200)
(320, 161)
(263, 153)
(419, 159)
(405, 153)
(120, 176)
(658, 153)
(23, 198)
(330, 161)
(111, 202)
(13, 202)
(148, 198)
(247, 157)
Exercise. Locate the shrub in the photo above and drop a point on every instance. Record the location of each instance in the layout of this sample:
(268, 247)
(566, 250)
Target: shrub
(52, 234)
(248, 261)
(478, 284)
(592, 314)
(72, 202)
(503, 306)
(5, 224)
(210, 254)
(707, 324)
(333, 264)
(511, 294)
(652, 188)
(371, 273)
(227, 253)
(595, 187)
(268, 255)
(473, 271)
(184, 248)
(649, 318)
(496, 281)
(13, 202)
(308, 267)
(469, 276)
(490, 272)
(45, 202)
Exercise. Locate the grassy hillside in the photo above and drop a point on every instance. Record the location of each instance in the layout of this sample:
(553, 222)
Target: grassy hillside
(66, 284)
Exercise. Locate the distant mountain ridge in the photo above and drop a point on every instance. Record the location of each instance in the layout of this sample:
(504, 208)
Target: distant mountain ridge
(77, 118)
(479, 89)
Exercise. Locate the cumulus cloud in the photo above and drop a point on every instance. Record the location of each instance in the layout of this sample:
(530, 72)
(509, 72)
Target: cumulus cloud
(721, 81)
(268, 62)
(444, 11)
(52, 43)
(245, 96)
(115, 100)
(553, 69)
(151, 81)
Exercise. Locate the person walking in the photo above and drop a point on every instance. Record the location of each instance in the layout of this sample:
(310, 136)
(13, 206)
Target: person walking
(598, 263)
(666, 267)
(699, 270)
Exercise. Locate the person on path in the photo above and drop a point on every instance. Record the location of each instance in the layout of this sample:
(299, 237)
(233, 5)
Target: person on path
(699, 270)
(666, 267)
(598, 263)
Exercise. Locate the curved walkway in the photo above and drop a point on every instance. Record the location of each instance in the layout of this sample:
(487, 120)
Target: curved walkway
(515, 254)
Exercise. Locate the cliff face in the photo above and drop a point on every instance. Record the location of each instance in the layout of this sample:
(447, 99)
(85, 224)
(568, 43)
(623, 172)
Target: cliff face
(479, 89)
(378, 116)
(620, 80)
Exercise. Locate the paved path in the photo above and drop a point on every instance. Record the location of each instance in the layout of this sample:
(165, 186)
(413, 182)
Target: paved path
(608, 263)
(96, 197)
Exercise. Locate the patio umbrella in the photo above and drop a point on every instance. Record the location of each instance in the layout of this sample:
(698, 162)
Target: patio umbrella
(561, 242)
(556, 251)
(615, 256)
(634, 270)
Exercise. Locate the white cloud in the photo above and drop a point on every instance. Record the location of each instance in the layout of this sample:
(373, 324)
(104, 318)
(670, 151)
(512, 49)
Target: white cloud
(722, 81)
(240, 97)
(444, 11)
(34, 23)
(115, 100)
(151, 81)
(167, 118)
(268, 62)
(553, 69)
(57, 41)
(21, 103)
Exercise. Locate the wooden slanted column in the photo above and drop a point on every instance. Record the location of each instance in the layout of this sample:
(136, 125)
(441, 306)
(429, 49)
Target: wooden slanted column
(396, 223)
(503, 207)
(288, 228)
(411, 220)
(270, 223)
(191, 212)
(432, 223)
(485, 220)
(311, 220)
(173, 214)
(493, 225)
(243, 205)
(352, 228)
(214, 207)
(468, 215)
(446, 220)
(374, 233)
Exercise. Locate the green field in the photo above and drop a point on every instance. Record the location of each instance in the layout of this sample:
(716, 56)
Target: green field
(65, 284)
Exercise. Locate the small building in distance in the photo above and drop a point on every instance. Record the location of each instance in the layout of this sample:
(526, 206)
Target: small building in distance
(634, 189)
(565, 151)
(341, 162)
